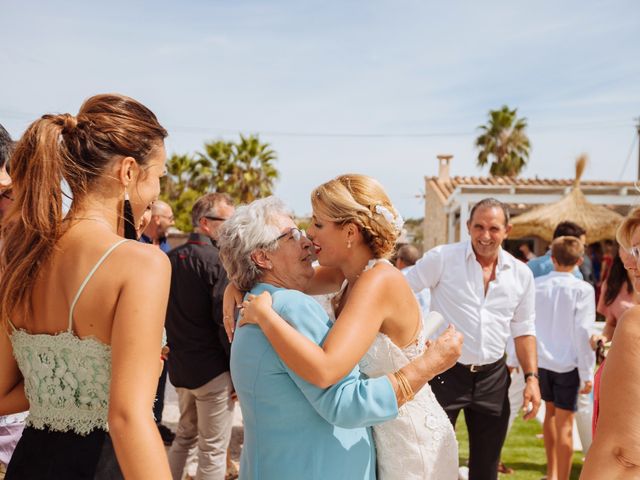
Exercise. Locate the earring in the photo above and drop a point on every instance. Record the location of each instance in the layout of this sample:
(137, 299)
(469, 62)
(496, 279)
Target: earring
(348, 243)
(129, 223)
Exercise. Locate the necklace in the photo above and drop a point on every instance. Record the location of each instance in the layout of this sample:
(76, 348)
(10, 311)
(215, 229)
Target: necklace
(95, 219)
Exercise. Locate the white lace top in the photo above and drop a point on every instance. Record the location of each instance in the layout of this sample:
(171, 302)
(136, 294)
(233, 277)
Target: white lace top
(66, 378)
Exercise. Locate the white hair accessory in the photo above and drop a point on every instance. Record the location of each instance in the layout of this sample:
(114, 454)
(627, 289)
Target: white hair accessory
(395, 220)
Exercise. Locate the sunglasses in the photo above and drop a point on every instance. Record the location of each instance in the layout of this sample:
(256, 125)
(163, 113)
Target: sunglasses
(213, 218)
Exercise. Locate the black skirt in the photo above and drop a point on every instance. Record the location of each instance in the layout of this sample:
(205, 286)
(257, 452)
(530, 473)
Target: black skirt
(49, 455)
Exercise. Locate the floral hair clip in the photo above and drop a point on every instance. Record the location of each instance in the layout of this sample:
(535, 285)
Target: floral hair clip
(395, 220)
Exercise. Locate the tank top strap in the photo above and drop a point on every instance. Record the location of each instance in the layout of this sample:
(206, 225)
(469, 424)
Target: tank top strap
(13, 327)
(88, 277)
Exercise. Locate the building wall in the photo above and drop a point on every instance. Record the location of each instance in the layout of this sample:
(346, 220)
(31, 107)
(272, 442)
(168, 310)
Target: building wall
(435, 219)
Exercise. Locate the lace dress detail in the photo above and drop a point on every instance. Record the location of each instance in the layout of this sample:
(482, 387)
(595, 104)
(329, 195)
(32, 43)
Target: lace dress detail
(420, 443)
(66, 378)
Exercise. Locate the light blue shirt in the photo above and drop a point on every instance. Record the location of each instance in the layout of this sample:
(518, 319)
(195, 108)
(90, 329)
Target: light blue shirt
(292, 429)
(544, 265)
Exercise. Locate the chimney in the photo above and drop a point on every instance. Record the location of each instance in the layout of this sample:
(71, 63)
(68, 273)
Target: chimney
(443, 167)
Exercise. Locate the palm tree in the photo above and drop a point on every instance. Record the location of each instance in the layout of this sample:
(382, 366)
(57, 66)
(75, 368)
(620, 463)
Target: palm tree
(186, 180)
(504, 138)
(245, 169)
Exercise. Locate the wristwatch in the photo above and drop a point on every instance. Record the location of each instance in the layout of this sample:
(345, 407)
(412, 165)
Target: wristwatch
(531, 374)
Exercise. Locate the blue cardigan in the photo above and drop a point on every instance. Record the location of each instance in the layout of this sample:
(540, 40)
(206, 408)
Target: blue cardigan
(292, 429)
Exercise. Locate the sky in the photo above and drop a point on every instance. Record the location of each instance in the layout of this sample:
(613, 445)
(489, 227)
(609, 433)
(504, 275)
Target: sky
(374, 87)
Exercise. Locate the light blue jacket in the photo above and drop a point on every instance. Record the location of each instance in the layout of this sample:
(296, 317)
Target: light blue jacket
(292, 429)
(544, 265)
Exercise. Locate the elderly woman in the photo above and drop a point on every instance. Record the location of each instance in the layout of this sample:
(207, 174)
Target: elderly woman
(615, 452)
(294, 429)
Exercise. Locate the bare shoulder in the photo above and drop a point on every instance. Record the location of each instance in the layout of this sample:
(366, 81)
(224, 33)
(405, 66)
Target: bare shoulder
(143, 258)
(629, 323)
(383, 276)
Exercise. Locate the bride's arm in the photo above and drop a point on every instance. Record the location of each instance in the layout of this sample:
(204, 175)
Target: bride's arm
(347, 341)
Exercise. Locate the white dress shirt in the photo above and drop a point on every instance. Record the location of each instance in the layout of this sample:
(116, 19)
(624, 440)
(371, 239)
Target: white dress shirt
(565, 312)
(423, 296)
(457, 292)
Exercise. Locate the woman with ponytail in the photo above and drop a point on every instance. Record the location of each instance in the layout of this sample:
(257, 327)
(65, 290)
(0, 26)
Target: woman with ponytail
(78, 348)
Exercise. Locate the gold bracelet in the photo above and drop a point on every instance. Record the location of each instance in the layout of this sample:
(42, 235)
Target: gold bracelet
(408, 388)
(400, 386)
(407, 391)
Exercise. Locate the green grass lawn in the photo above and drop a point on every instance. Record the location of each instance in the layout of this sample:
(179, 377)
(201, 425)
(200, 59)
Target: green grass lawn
(523, 451)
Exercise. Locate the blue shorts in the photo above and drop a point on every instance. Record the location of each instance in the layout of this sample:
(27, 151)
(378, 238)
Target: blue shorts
(560, 388)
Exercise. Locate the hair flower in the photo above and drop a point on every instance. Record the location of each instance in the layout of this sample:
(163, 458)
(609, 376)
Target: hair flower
(395, 220)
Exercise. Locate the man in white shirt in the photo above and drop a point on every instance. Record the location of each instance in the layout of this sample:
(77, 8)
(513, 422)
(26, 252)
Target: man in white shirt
(565, 312)
(488, 295)
(406, 258)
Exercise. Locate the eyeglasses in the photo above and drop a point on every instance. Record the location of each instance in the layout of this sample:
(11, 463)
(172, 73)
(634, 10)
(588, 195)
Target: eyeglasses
(213, 218)
(295, 233)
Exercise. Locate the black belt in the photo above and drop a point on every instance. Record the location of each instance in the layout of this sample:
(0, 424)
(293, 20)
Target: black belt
(482, 368)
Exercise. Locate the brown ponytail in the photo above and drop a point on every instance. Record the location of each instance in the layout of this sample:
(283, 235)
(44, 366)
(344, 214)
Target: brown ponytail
(77, 150)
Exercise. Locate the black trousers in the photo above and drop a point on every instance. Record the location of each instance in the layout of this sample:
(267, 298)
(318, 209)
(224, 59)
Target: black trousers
(49, 455)
(158, 405)
(484, 398)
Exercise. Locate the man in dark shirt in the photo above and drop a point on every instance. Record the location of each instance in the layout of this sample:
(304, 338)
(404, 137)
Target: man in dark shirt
(199, 358)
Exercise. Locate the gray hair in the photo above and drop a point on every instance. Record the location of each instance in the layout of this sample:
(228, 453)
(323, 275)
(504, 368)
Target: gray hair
(250, 228)
(208, 205)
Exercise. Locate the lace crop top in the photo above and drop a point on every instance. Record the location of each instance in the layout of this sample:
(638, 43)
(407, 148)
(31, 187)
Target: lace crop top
(66, 378)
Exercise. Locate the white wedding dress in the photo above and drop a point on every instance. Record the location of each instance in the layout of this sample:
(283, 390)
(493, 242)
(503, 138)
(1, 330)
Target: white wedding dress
(420, 444)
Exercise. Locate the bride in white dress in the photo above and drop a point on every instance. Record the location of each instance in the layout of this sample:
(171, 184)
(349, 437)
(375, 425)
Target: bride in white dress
(379, 324)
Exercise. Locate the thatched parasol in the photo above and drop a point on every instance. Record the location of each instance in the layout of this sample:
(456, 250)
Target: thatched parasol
(599, 221)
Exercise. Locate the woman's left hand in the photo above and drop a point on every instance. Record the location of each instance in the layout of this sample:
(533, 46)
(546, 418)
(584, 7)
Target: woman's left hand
(232, 298)
(255, 308)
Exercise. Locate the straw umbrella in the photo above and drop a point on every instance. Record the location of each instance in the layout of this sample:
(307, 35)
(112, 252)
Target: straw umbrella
(599, 221)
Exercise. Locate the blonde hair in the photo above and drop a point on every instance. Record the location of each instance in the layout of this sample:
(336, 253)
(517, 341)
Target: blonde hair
(567, 250)
(627, 227)
(360, 200)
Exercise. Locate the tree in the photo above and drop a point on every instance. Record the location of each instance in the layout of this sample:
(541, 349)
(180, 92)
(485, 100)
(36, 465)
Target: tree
(504, 138)
(245, 169)
(186, 180)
